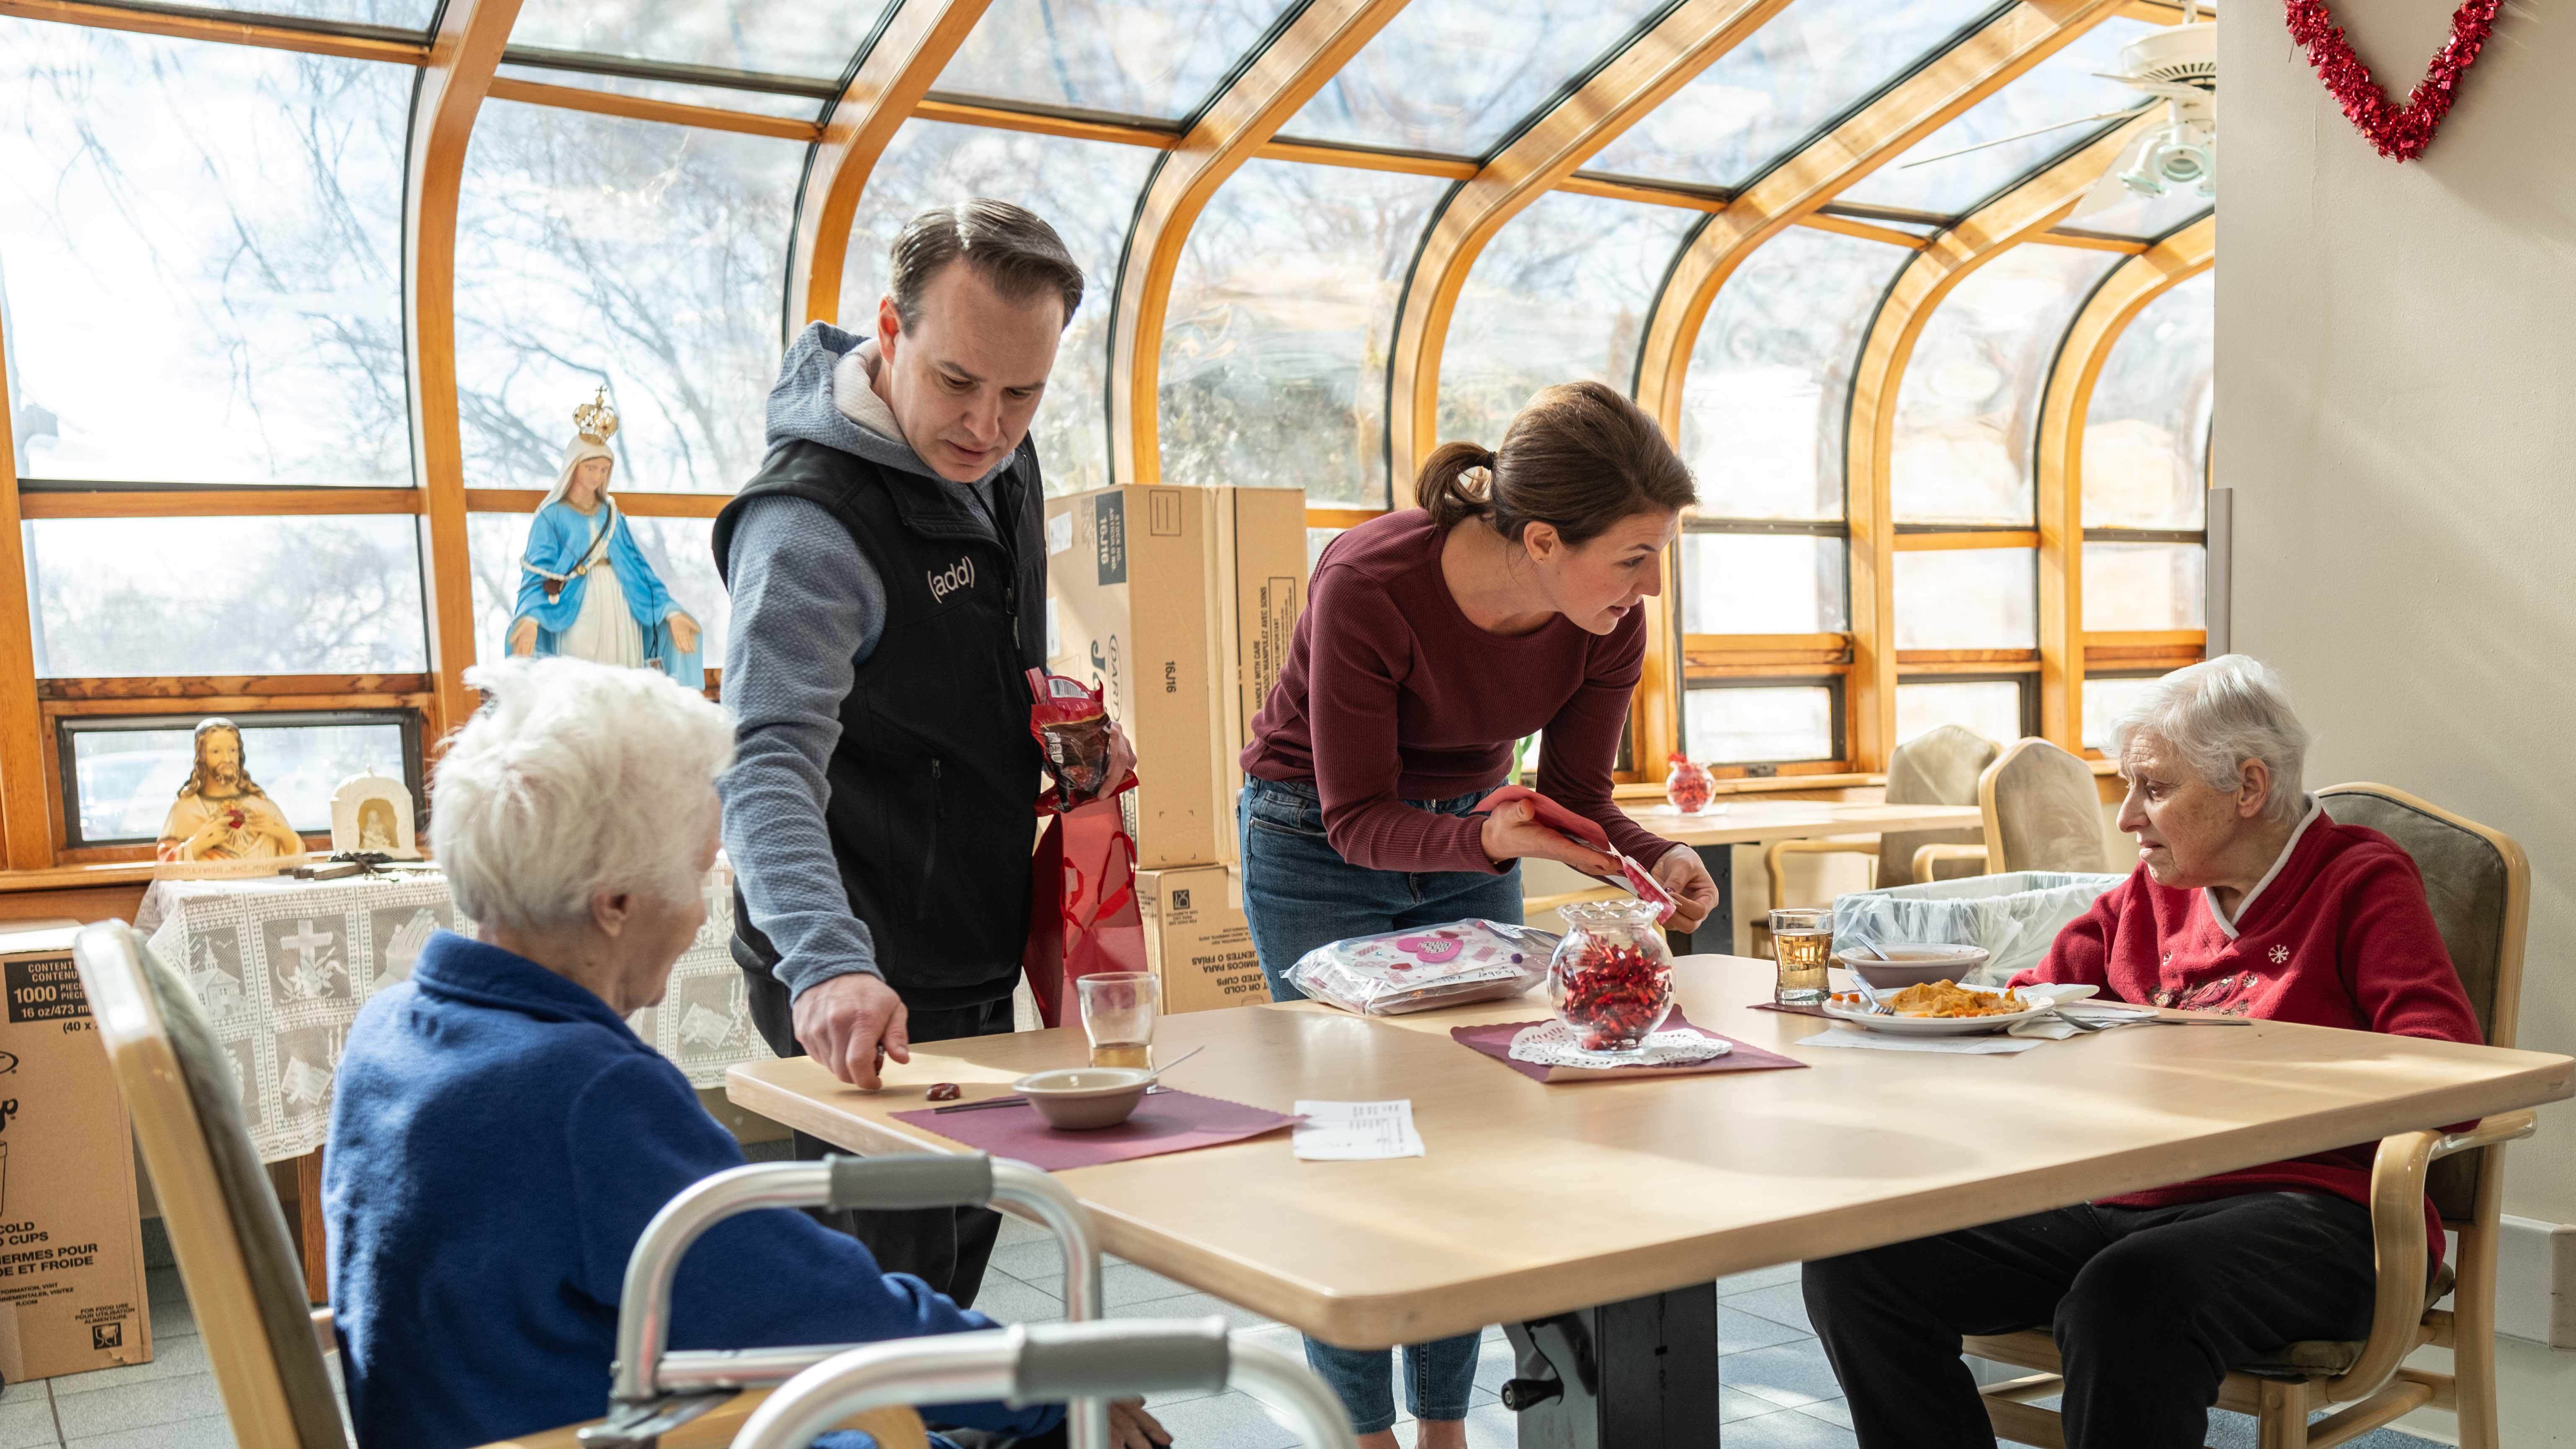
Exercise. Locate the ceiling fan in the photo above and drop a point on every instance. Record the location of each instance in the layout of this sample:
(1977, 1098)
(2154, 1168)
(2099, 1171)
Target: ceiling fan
(2178, 66)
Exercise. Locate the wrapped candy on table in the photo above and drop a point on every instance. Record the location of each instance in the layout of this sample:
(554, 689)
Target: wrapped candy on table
(1611, 980)
(1426, 967)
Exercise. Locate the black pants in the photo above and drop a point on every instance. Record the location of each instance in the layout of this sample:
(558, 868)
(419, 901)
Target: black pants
(946, 1248)
(2150, 1308)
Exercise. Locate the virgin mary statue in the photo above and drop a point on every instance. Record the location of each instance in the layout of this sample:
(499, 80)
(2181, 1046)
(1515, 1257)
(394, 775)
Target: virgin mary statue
(584, 587)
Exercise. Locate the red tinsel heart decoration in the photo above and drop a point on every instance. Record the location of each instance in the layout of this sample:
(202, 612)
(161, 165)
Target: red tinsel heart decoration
(2400, 133)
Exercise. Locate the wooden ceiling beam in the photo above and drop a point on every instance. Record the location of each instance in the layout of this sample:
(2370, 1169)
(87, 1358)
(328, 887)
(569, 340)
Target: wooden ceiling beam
(1693, 35)
(1930, 276)
(1233, 129)
(464, 55)
(642, 108)
(908, 54)
(220, 29)
(2060, 463)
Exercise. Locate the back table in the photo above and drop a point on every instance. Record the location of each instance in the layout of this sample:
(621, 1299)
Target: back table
(1616, 1204)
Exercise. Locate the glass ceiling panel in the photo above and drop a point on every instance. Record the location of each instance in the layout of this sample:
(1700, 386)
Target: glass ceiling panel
(1766, 401)
(596, 250)
(1457, 76)
(1563, 292)
(723, 98)
(1086, 190)
(2064, 87)
(2143, 218)
(2146, 435)
(1160, 58)
(1275, 347)
(774, 37)
(1967, 412)
(201, 260)
(1814, 61)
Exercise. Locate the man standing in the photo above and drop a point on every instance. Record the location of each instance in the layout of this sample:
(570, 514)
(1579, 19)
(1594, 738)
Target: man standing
(888, 577)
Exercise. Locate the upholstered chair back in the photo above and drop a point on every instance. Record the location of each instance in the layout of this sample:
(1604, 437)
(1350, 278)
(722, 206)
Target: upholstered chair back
(1936, 768)
(2043, 811)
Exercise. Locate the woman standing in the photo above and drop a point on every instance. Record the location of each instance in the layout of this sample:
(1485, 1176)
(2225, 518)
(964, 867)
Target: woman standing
(1434, 639)
(585, 589)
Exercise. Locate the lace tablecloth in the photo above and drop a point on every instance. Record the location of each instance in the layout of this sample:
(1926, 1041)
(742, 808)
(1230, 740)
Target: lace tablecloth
(281, 967)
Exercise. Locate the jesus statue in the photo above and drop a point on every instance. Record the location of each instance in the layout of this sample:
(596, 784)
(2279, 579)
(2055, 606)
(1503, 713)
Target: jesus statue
(220, 814)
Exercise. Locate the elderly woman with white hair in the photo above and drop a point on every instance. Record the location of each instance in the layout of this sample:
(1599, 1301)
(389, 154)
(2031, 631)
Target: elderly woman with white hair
(499, 1138)
(2247, 900)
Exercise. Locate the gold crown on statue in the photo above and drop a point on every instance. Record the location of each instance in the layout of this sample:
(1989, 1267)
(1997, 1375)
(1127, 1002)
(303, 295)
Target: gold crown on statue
(596, 420)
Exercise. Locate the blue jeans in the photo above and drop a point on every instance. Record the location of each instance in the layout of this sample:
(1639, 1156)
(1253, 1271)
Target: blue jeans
(1298, 894)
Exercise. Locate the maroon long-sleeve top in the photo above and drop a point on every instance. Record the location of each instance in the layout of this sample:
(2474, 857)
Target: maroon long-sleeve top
(1390, 694)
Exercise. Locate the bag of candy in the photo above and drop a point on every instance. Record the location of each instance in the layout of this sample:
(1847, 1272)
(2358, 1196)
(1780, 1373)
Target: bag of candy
(1427, 967)
(1071, 724)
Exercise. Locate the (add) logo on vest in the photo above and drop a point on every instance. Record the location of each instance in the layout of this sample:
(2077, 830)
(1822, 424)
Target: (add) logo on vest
(959, 575)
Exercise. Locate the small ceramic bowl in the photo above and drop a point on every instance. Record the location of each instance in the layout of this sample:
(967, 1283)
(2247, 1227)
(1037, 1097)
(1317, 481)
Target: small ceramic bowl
(1913, 965)
(1078, 1099)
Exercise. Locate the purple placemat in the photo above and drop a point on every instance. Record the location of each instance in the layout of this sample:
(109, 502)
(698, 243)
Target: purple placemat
(1166, 1121)
(1495, 1040)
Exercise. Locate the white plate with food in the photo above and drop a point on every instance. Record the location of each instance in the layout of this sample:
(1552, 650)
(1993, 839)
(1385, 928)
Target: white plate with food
(1942, 1008)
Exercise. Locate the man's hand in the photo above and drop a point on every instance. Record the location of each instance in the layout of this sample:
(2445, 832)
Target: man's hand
(851, 1024)
(1512, 832)
(1682, 872)
(1130, 1427)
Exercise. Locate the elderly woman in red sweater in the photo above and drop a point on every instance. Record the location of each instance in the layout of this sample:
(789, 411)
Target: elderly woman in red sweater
(2247, 900)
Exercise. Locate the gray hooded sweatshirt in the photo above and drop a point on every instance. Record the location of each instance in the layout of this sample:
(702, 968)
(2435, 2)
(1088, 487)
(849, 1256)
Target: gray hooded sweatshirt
(808, 608)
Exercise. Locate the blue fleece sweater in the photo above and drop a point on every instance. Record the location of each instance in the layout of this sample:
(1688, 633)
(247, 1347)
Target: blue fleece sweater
(499, 1138)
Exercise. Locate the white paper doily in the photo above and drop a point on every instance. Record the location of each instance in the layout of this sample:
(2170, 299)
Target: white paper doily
(1554, 1044)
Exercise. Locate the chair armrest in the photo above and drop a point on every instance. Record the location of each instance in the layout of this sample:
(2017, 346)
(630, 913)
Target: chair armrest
(1928, 858)
(1781, 850)
(326, 1333)
(2400, 1251)
(2500, 1128)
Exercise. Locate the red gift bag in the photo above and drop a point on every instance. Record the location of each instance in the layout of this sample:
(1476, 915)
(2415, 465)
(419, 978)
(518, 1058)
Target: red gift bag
(1083, 912)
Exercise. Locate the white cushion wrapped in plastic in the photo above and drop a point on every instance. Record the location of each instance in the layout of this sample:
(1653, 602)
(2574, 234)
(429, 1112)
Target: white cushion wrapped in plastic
(2014, 916)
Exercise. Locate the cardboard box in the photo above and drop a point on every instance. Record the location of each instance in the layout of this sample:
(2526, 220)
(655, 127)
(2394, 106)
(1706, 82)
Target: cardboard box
(72, 1293)
(1197, 941)
(1180, 602)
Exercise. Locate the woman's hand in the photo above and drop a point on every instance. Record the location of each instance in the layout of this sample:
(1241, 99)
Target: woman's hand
(1694, 891)
(1512, 832)
(1130, 1427)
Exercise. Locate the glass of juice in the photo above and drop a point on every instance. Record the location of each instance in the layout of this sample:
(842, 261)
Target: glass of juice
(1118, 1011)
(1802, 940)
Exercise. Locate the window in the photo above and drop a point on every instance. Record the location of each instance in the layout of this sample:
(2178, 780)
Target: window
(2143, 586)
(2105, 700)
(2060, 93)
(1282, 313)
(1086, 190)
(2142, 218)
(1161, 58)
(1995, 708)
(1460, 76)
(1809, 65)
(121, 773)
(201, 260)
(1752, 583)
(2146, 434)
(1762, 723)
(1983, 598)
(647, 258)
(776, 37)
(681, 551)
(1563, 292)
(197, 596)
(1967, 410)
(797, 101)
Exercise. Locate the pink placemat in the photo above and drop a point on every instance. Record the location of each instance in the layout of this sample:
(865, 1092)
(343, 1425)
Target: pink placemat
(1495, 1040)
(1166, 1121)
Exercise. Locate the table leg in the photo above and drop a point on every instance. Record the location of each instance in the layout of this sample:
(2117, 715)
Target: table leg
(1716, 935)
(308, 1217)
(1641, 1374)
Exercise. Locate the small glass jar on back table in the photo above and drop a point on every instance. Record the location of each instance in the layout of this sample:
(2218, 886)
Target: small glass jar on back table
(1802, 941)
(1118, 1011)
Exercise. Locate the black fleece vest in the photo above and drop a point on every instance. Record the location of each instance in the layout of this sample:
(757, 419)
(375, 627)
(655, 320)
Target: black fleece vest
(932, 784)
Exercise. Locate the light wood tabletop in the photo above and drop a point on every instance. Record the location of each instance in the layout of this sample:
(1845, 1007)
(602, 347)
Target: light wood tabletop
(1540, 1199)
(1759, 822)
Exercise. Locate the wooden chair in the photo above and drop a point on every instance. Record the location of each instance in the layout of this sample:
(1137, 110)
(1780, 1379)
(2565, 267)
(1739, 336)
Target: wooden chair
(265, 1343)
(1939, 767)
(2479, 886)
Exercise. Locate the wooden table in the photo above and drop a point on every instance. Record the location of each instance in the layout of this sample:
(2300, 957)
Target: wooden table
(1728, 823)
(1607, 1209)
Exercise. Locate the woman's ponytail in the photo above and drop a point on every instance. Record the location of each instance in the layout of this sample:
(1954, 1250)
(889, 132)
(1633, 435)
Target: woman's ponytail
(1441, 488)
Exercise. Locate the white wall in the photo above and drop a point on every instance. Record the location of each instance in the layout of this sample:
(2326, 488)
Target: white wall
(2397, 415)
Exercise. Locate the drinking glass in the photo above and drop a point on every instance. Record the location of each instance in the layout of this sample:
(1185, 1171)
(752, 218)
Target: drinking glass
(1118, 1010)
(1802, 940)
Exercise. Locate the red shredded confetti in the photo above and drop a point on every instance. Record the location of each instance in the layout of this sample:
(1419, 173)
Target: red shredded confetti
(2400, 133)
(1612, 993)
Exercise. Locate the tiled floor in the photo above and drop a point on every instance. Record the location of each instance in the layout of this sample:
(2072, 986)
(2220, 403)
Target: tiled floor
(1775, 1390)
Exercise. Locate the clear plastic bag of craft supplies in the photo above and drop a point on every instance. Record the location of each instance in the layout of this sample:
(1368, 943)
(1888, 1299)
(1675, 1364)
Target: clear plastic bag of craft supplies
(1426, 967)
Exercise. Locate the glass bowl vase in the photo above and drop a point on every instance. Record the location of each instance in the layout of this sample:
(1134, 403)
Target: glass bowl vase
(1611, 980)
